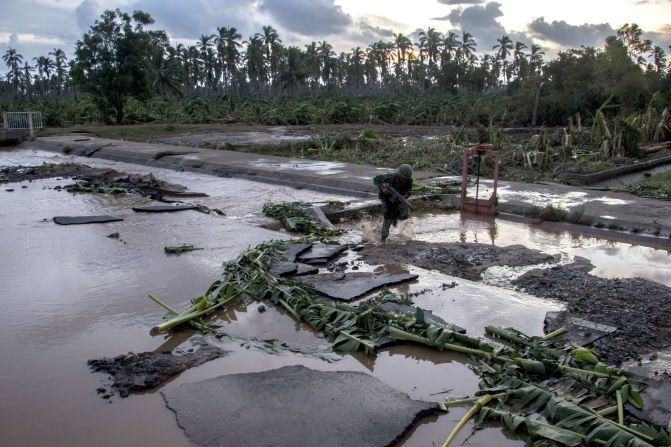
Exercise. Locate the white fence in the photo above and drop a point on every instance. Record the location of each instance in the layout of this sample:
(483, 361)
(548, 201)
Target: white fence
(22, 121)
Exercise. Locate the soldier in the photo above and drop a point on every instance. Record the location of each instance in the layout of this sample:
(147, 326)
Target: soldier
(394, 210)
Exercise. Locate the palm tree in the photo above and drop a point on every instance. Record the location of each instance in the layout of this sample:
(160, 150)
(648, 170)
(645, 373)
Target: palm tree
(59, 61)
(272, 44)
(520, 59)
(356, 67)
(451, 46)
(311, 63)
(255, 62)
(27, 79)
(207, 56)
(403, 46)
(326, 54)
(536, 57)
(229, 56)
(430, 42)
(13, 61)
(293, 72)
(468, 46)
(44, 66)
(505, 46)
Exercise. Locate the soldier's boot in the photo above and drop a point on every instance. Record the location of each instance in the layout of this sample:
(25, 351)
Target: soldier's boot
(385, 229)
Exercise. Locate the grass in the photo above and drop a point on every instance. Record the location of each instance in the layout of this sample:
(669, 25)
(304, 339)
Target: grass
(579, 216)
(549, 212)
(655, 187)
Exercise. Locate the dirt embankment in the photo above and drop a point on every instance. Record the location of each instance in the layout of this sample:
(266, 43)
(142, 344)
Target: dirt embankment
(640, 309)
(462, 260)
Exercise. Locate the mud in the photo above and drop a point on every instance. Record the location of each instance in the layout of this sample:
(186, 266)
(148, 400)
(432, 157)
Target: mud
(134, 373)
(462, 260)
(639, 308)
(88, 179)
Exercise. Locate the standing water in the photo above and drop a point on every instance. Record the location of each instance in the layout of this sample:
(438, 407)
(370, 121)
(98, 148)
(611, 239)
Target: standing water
(70, 293)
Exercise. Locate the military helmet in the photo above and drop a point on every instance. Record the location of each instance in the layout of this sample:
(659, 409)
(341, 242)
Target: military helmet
(405, 170)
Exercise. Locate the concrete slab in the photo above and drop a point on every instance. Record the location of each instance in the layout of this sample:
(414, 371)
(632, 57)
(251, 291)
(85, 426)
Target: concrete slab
(294, 406)
(350, 286)
(321, 253)
(81, 220)
(284, 268)
(305, 269)
(291, 251)
(579, 330)
(163, 208)
(286, 265)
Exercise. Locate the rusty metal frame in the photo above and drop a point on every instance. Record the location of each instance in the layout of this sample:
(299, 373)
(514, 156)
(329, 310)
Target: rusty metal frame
(477, 205)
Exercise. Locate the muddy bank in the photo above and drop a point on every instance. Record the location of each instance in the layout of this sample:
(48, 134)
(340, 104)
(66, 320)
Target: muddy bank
(133, 373)
(640, 309)
(47, 170)
(463, 260)
(88, 179)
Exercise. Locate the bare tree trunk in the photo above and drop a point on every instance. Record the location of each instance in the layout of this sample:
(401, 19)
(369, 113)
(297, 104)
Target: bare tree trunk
(534, 116)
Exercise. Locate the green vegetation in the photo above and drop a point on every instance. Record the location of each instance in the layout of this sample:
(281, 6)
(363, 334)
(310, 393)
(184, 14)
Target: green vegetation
(656, 187)
(125, 71)
(522, 375)
(295, 220)
(548, 212)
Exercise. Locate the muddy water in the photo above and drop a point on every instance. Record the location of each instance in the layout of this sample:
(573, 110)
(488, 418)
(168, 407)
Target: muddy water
(610, 259)
(71, 293)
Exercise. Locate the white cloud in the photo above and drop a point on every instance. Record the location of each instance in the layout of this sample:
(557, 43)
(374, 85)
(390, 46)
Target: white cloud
(87, 12)
(564, 34)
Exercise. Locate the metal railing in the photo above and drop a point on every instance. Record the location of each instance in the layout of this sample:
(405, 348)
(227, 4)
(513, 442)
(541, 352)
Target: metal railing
(22, 121)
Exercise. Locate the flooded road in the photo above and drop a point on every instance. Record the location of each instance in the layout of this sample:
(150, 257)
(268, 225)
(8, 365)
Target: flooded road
(70, 293)
(610, 259)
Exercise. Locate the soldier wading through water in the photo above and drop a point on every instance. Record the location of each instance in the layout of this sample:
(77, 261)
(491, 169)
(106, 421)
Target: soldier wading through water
(394, 209)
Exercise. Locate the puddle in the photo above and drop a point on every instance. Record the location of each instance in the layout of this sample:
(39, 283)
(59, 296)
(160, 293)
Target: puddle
(319, 167)
(610, 259)
(273, 135)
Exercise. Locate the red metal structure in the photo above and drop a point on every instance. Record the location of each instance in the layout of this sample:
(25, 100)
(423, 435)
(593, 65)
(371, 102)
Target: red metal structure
(477, 205)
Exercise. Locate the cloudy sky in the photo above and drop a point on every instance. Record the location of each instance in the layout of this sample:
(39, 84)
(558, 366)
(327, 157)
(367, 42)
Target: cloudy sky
(34, 27)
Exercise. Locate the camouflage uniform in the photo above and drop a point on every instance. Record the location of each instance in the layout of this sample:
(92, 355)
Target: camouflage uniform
(393, 211)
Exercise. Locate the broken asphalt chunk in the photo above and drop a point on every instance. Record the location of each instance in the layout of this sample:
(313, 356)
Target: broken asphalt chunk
(350, 286)
(163, 208)
(81, 220)
(583, 332)
(299, 406)
(321, 253)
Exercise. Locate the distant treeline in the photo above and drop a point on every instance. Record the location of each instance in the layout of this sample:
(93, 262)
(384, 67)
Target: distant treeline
(123, 71)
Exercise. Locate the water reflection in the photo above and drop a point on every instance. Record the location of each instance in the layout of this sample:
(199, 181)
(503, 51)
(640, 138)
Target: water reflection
(610, 259)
